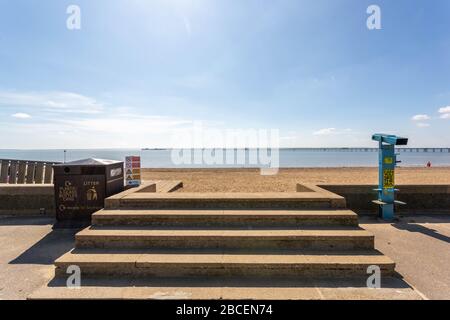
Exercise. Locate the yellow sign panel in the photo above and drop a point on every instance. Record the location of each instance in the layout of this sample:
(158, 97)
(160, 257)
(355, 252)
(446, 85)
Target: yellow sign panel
(133, 171)
(388, 179)
(388, 160)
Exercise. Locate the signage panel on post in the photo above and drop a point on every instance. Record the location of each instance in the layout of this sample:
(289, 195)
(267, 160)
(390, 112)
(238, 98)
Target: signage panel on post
(133, 170)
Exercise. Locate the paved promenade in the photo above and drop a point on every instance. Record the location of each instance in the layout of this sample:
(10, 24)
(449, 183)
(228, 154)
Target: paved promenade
(419, 245)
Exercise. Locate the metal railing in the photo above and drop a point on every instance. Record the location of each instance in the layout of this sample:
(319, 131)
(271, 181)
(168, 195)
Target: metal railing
(26, 171)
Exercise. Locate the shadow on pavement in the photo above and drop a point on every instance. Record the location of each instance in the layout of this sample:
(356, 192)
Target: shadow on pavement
(49, 248)
(390, 282)
(435, 218)
(412, 227)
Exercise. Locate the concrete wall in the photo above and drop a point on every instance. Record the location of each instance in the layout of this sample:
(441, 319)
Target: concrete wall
(418, 198)
(27, 199)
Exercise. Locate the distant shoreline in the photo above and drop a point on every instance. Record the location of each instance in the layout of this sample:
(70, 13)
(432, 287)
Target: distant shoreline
(285, 158)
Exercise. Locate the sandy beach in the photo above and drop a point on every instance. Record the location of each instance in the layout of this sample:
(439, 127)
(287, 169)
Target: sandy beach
(250, 180)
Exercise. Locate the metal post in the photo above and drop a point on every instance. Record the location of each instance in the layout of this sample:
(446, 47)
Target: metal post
(386, 166)
(387, 160)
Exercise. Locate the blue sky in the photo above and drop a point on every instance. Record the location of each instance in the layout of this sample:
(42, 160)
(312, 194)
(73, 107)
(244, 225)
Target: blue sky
(140, 71)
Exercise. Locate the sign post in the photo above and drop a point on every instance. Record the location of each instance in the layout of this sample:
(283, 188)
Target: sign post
(133, 171)
(387, 161)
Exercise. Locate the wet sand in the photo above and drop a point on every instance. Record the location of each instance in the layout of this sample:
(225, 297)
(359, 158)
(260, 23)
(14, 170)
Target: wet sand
(250, 180)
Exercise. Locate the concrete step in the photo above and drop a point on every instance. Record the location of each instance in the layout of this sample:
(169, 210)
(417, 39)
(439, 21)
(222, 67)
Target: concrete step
(123, 237)
(224, 218)
(214, 288)
(107, 264)
(227, 201)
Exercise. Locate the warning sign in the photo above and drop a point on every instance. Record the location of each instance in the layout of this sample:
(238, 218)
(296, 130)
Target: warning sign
(388, 179)
(133, 170)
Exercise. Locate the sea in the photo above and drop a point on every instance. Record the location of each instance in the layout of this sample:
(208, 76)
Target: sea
(217, 158)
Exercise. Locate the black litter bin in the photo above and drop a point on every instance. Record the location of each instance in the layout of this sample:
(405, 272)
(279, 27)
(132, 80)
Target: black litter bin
(81, 187)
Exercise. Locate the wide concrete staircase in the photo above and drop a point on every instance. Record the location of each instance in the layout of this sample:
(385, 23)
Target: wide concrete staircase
(202, 253)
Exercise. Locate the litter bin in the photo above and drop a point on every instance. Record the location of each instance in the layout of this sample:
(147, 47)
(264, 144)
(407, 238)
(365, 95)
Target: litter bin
(81, 187)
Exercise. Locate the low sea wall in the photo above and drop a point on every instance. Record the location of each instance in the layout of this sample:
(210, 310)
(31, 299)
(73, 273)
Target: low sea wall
(418, 198)
(39, 199)
(27, 199)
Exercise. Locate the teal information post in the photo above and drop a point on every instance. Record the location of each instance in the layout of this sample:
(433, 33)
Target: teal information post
(387, 161)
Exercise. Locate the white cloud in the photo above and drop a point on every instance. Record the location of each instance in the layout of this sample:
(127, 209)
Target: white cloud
(444, 109)
(445, 112)
(107, 131)
(423, 124)
(126, 124)
(331, 131)
(71, 120)
(325, 132)
(420, 117)
(55, 101)
(21, 115)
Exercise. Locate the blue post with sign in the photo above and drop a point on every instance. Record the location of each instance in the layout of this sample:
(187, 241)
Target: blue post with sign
(387, 160)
